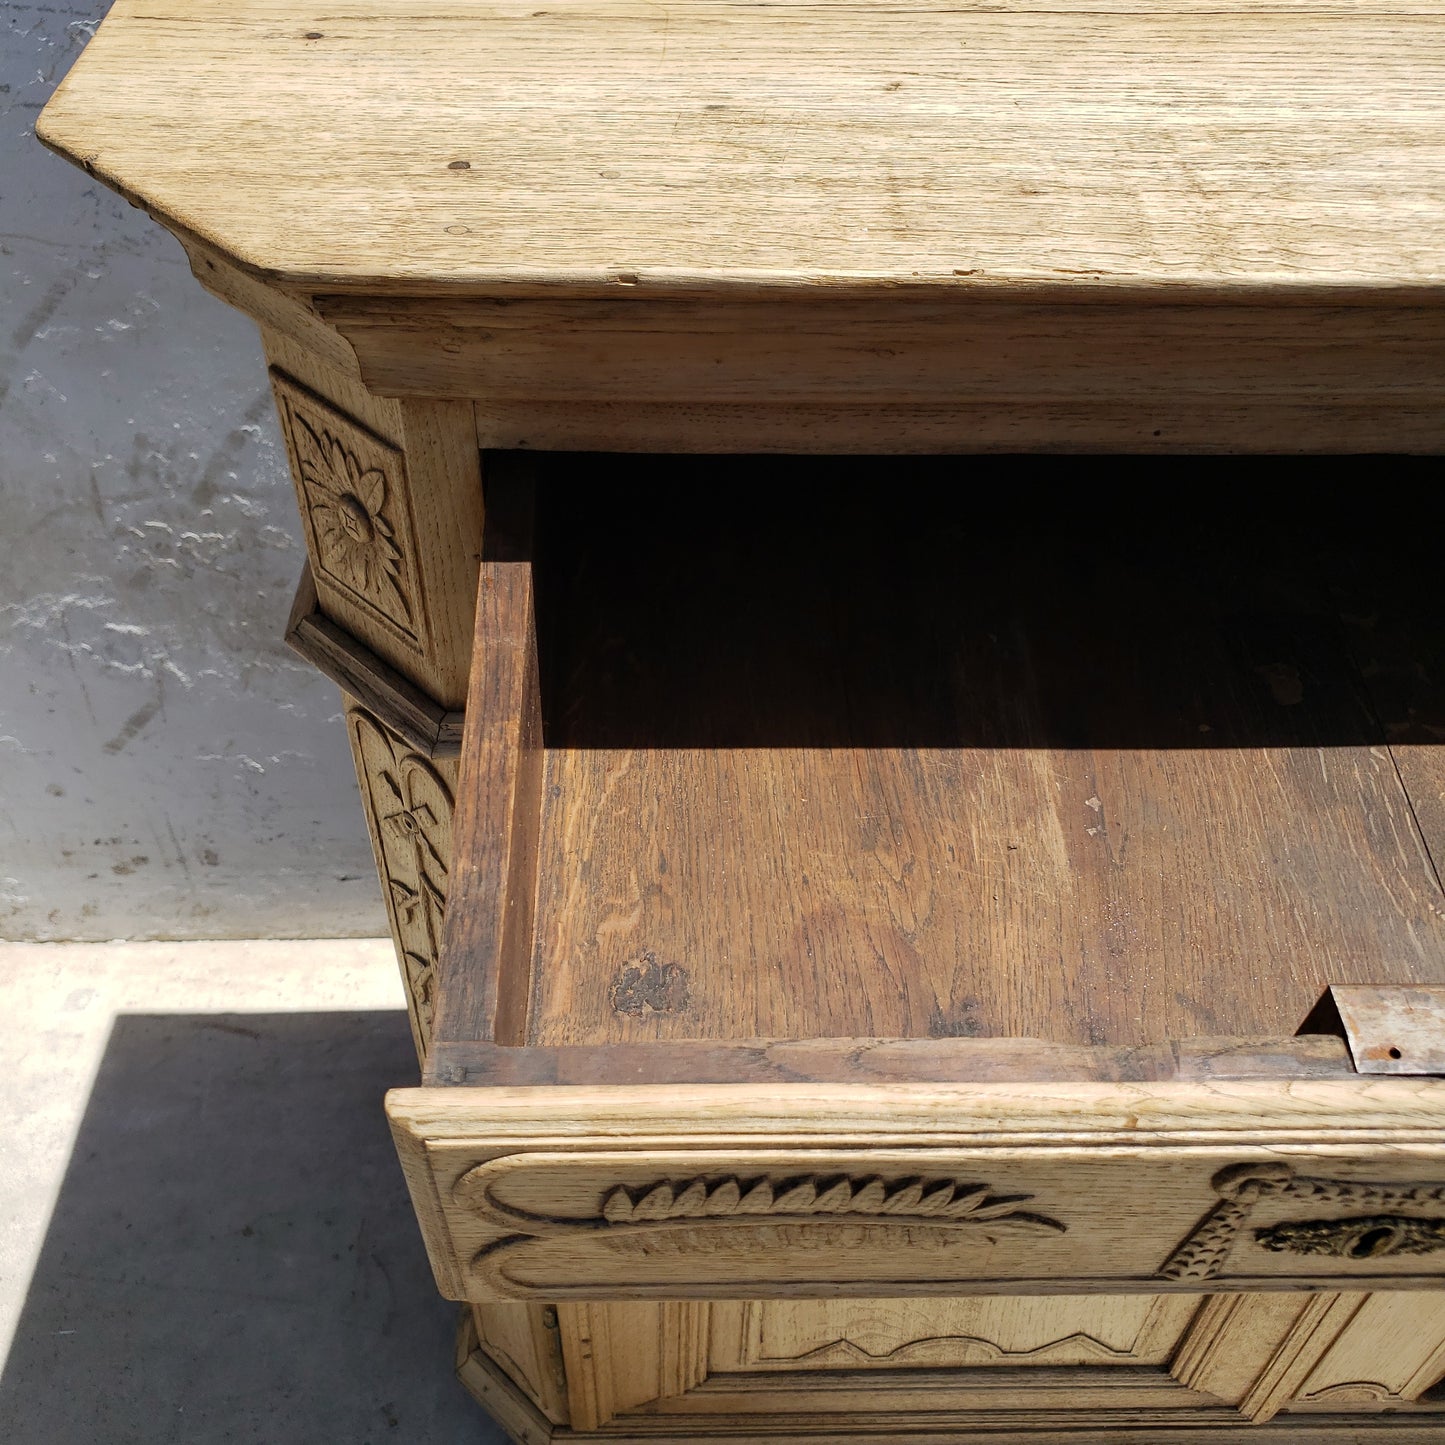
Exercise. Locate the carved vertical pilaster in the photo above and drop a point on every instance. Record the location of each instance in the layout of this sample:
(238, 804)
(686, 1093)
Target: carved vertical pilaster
(408, 801)
(390, 494)
(391, 508)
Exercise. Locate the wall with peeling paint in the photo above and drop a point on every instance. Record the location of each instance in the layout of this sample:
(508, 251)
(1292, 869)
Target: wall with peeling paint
(167, 768)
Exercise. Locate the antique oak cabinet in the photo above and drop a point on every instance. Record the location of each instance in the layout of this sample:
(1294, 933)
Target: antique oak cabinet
(899, 947)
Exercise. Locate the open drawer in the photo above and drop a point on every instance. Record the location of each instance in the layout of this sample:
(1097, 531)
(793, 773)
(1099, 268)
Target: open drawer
(869, 890)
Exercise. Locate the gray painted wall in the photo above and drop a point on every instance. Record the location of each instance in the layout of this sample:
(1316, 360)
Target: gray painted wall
(167, 768)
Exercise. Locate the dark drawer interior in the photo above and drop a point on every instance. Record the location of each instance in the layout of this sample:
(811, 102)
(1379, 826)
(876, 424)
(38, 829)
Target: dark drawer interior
(963, 748)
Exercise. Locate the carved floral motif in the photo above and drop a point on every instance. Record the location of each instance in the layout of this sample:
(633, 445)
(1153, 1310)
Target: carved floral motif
(353, 506)
(355, 540)
(409, 807)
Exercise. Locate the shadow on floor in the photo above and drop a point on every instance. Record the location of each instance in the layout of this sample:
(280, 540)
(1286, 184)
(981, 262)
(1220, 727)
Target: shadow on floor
(232, 1256)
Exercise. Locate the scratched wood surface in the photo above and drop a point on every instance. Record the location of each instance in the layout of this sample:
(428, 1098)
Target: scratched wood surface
(1035, 768)
(398, 146)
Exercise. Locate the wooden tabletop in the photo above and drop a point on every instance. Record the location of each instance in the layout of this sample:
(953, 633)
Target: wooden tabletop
(410, 146)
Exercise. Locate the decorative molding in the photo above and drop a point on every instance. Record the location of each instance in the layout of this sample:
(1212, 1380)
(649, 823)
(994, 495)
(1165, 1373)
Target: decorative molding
(619, 1357)
(826, 1335)
(409, 811)
(352, 490)
(496, 1392)
(728, 1214)
(1356, 1392)
(942, 1350)
(1241, 1187)
(509, 1366)
(402, 707)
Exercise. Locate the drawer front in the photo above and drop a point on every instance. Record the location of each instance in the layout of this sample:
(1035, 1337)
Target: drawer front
(753, 1192)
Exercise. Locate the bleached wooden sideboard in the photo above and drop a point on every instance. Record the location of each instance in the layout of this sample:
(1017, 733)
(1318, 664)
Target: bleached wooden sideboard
(860, 905)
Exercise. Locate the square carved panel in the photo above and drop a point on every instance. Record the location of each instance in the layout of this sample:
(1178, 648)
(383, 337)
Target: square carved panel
(355, 507)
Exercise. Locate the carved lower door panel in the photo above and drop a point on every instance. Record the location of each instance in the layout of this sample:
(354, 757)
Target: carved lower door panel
(819, 1335)
(523, 1344)
(1391, 1354)
(842, 1358)
(1061, 1362)
(975, 1356)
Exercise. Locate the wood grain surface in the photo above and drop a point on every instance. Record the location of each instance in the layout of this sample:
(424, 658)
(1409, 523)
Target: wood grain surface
(874, 1335)
(896, 373)
(1040, 767)
(1392, 1351)
(406, 585)
(404, 708)
(988, 1355)
(751, 1191)
(870, 1061)
(1075, 1421)
(1030, 1355)
(1172, 426)
(523, 1341)
(484, 979)
(729, 348)
(398, 147)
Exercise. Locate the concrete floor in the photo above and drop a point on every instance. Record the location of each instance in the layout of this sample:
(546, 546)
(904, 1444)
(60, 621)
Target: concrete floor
(204, 1233)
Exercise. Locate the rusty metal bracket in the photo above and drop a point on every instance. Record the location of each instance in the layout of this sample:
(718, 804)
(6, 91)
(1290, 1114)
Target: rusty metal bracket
(1389, 1029)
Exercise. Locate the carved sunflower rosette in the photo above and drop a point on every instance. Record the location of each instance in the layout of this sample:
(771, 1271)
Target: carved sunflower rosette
(351, 487)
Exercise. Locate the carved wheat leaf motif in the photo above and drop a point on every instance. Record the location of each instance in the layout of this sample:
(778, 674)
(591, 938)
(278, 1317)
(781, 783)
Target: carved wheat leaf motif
(723, 1215)
(738, 1218)
(818, 1197)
